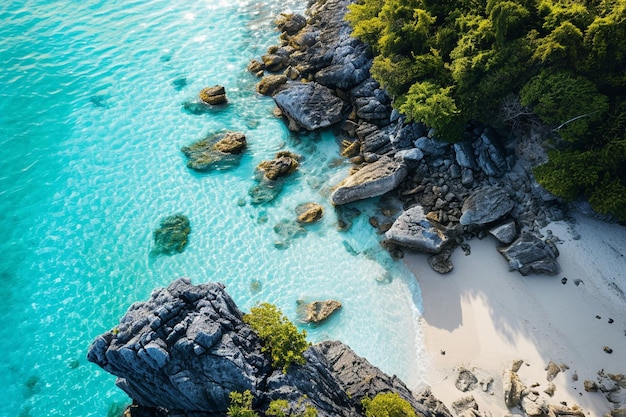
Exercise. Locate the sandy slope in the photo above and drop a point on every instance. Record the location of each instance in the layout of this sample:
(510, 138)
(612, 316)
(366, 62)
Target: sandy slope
(483, 317)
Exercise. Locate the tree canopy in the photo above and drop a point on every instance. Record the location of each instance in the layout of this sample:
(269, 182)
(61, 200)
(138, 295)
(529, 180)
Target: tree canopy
(447, 62)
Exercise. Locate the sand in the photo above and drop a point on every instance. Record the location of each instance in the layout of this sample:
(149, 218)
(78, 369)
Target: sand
(482, 317)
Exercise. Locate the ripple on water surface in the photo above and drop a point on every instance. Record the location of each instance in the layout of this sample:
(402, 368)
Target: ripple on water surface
(91, 126)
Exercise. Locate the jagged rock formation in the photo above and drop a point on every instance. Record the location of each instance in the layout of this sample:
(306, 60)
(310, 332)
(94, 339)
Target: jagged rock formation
(186, 348)
(530, 254)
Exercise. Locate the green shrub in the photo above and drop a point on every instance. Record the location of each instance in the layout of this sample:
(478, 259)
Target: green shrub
(388, 404)
(280, 337)
(241, 405)
(280, 408)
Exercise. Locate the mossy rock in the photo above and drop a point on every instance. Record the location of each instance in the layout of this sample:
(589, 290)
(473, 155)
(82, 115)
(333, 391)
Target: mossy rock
(172, 235)
(309, 213)
(218, 151)
(282, 165)
(213, 95)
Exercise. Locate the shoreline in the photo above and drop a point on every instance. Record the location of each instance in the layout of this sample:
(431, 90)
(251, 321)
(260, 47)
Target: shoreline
(482, 317)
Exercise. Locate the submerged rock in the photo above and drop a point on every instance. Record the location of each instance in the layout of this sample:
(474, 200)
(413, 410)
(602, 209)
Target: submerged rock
(415, 231)
(171, 236)
(218, 151)
(372, 180)
(529, 254)
(309, 106)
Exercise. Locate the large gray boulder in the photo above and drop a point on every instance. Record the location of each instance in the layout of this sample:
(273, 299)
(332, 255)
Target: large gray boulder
(372, 180)
(309, 106)
(415, 231)
(529, 254)
(486, 205)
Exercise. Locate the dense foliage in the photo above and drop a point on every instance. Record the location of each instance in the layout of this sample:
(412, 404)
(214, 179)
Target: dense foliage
(281, 338)
(241, 405)
(446, 62)
(387, 404)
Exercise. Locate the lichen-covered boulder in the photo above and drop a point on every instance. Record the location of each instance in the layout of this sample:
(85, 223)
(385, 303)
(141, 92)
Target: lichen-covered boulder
(529, 254)
(372, 180)
(283, 164)
(317, 311)
(309, 213)
(217, 151)
(415, 231)
(486, 205)
(213, 95)
(310, 106)
(270, 84)
(172, 235)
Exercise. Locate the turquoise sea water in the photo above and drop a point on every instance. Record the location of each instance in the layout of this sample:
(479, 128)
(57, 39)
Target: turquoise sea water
(91, 126)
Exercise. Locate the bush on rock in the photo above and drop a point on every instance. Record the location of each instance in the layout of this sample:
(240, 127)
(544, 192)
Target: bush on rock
(280, 337)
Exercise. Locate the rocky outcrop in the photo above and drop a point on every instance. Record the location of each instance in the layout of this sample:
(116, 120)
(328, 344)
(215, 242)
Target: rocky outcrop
(185, 349)
(270, 84)
(529, 254)
(372, 180)
(505, 232)
(218, 151)
(309, 106)
(309, 213)
(360, 379)
(213, 95)
(415, 231)
(486, 205)
(283, 164)
(317, 311)
(172, 235)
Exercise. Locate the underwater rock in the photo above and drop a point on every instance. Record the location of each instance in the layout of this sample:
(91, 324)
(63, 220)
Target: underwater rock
(213, 95)
(218, 151)
(282, 165)
(415, 231)
(309, 213)
(372, 180)
(266, 190)
(317, 311)
(287, 230)
(171, 236)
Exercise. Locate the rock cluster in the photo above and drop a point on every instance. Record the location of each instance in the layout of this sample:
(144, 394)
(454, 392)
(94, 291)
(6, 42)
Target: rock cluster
(186, 348)
(320, 77)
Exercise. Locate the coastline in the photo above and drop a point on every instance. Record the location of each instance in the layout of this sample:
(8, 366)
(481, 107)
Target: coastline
(482, 317)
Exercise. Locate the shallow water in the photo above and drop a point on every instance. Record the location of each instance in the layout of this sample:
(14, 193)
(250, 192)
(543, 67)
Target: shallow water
(91, 126)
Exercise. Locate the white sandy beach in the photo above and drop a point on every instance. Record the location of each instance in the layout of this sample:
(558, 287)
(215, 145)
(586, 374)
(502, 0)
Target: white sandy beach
(484, 317)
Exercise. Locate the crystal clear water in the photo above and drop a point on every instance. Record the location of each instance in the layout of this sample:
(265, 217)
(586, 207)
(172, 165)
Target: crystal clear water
(91, 126)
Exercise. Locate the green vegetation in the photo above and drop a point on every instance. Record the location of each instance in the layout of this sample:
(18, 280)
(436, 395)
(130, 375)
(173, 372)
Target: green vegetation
(241, 405)
(561, 62)
(387, 404)
(280, 408)
(281, 338)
